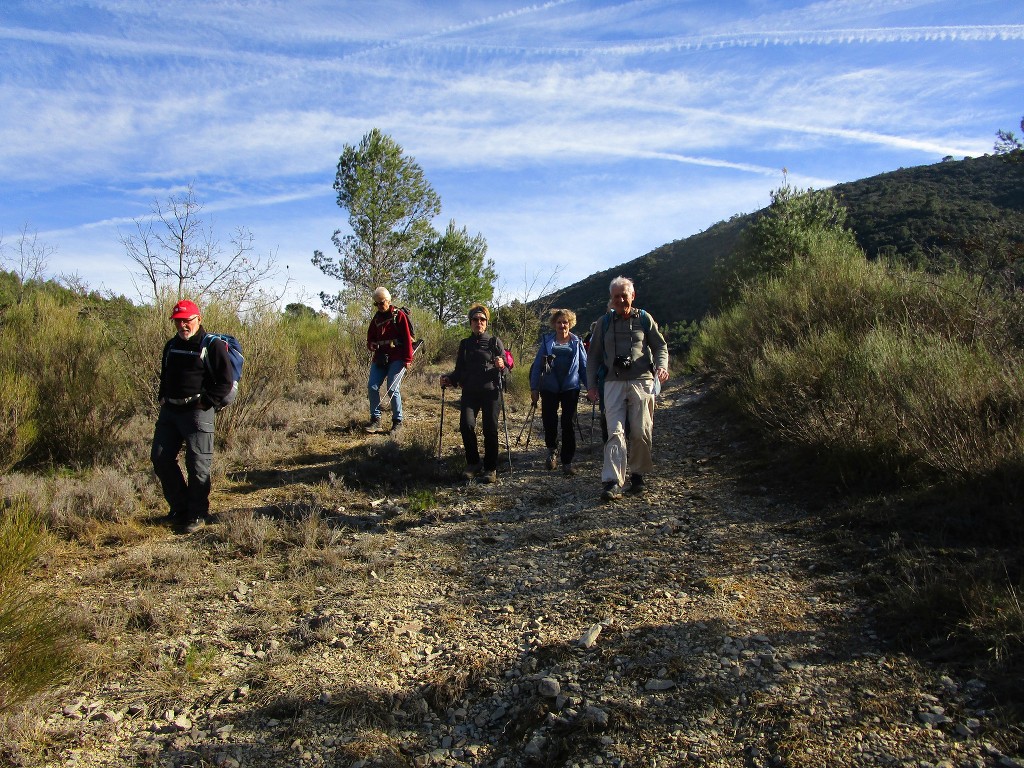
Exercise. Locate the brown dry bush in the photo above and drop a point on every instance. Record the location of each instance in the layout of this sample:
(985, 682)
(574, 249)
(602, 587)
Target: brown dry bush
(99, 504)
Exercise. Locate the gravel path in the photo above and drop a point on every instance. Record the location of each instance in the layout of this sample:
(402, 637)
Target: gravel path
(706, 623)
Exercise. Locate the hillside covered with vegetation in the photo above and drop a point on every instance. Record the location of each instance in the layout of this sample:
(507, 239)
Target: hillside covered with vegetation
(933, 214)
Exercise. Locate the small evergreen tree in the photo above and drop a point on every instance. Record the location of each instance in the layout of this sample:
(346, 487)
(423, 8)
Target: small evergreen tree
(784, 231)
(450, 272)
(390, 205)
(1010, 145)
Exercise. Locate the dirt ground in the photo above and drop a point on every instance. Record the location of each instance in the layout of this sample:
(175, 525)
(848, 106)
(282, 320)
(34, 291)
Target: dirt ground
(716, 620)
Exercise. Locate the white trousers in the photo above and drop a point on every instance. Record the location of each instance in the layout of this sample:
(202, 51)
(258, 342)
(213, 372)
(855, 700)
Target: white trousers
(633, 399)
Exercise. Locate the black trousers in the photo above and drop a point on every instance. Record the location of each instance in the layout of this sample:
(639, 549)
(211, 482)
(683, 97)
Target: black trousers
(550, 403)
(487, 405)
(193, 429)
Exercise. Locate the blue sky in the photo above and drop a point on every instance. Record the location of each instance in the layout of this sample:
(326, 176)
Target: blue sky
(575, 134)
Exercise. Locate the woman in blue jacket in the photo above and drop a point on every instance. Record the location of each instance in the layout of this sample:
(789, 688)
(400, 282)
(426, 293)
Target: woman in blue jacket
(557, 373)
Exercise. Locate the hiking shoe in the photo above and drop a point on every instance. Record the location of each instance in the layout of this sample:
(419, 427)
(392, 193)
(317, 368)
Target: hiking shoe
(552, 461)
(471, 471)
(568, 470)
(373, 427)
(192, 526)
(612, 491)
(396, 427)
(636, 483)
(489, 477)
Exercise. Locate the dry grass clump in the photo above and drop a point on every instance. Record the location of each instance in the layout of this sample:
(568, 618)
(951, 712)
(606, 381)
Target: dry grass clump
(172, 673)
(96, 505)
(150, 562)
(376, 745)
(246, 532)
(446, 688)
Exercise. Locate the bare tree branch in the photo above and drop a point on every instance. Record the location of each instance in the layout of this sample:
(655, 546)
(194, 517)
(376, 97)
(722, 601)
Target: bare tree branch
(30, 259)
(174, 248)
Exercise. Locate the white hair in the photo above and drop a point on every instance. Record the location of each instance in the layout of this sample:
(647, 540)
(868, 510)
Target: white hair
(382, 294)
(622, 282)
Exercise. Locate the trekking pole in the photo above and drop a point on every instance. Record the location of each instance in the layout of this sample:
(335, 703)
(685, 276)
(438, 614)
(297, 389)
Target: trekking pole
(593, 416)
(440, 427)
(528, 423)
(504, 421)
(392, 388)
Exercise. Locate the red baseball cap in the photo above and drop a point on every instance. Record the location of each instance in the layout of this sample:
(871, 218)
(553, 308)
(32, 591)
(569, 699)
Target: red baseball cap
(185, 309)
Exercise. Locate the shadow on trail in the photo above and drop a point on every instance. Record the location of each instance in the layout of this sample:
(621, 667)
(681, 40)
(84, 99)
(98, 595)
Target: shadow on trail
(541, 562)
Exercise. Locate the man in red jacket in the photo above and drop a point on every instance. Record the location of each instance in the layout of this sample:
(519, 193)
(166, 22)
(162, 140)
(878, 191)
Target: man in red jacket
(390, 339)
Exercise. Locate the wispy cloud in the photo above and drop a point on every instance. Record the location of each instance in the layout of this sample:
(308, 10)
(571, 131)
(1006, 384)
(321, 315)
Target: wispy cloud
(598, 126)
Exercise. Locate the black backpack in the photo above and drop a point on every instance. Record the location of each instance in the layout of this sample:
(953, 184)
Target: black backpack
(408, 319)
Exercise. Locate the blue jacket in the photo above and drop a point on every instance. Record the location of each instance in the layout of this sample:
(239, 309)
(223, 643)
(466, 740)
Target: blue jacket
(558, 381)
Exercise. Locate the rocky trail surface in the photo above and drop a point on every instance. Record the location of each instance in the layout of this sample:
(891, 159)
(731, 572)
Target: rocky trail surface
(712, 621)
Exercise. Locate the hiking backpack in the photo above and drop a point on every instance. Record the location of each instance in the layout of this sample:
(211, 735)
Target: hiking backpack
(235, 357)
(416, 343)
(510, 363)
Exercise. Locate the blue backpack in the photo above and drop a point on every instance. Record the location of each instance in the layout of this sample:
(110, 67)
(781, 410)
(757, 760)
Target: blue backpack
(234, 347)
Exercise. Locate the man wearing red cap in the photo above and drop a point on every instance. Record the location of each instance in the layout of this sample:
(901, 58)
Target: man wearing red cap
(195, 377)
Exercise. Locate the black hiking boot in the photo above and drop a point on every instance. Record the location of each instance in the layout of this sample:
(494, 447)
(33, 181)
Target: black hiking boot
(636, 483)
(612, 491)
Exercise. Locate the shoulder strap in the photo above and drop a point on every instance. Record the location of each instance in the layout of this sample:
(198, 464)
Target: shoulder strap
(607, 320)
(208, 339)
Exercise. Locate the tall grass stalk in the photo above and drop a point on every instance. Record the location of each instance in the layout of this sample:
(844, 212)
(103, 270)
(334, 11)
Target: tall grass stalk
(36, 648)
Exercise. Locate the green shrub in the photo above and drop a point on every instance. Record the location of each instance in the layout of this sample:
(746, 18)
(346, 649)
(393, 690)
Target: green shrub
(82, 394)
(18, 426)
(872, 363)
(321, 351)
(36, 648)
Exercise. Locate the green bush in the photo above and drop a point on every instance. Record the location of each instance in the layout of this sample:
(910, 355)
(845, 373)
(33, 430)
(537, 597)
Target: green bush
(873, 363)
(36, 648)
(321, 353)
(82, 393)
(17, 417)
